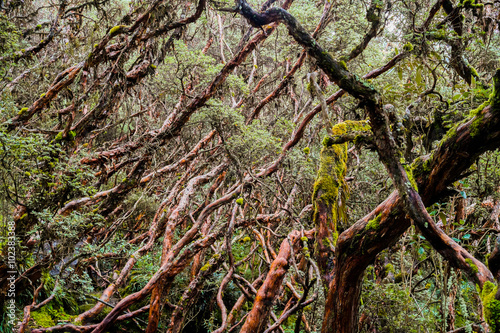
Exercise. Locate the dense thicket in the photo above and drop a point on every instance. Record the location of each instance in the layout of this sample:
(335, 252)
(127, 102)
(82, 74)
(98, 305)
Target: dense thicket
(250, 166)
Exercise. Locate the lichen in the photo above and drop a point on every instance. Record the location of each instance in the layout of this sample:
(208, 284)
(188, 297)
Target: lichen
(491, 306)
(374, 224)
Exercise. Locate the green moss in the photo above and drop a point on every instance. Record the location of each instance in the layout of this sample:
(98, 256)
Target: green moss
(409, 173)
(470, 4)
(42, 95)
(116, 29)
(472, 266)
(491, 306)
(389, 268)
(307, 150)
(476, 125)
(59, 136)
(304, 239)
(42, 318)
(335, 237)
(494, 101)
(495, 95)
(374, 224)
(343, 65)
(23, 110)
(473, 71)
(205, 267)
(239, 201)
(330, 187)
(408, 47)
(152, 66)
(39, 26)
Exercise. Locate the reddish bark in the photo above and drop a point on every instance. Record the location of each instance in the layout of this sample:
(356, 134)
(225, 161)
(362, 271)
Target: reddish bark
(258, 316)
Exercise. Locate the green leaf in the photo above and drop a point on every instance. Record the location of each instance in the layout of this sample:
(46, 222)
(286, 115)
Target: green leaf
(419, 75)
(442, 216)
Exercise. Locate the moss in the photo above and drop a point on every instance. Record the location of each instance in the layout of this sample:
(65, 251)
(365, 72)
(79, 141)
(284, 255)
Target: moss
(23, 110)
(374, 224)
(205, 267)
(239, 201)
(472, 266)
(59, 136)
(409, 173)
(307, 150)
(389, 268)
(408, 47)
(42, 95)
(491, 306)
(330, 187)
(152, 66)
(43, 318)
(247, 239)
(335, 237)
(473, 71)
(470, 4)
(343, 65)
(495, 95)
(493, 101)
(116, 29)
(39, 26)
(421, 166)
(476, 125)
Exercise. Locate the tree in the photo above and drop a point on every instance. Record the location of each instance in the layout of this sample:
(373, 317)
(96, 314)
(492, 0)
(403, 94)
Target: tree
(144, 169)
